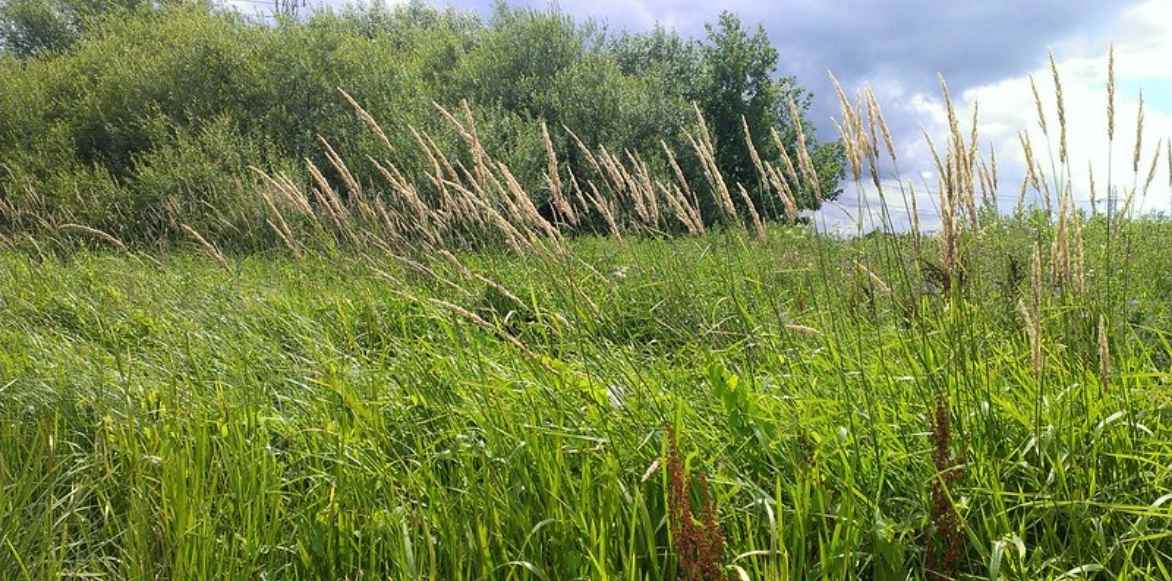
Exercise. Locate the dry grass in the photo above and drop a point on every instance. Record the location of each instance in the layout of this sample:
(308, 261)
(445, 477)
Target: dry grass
(209, 248)
(116, 243)
(485, 202)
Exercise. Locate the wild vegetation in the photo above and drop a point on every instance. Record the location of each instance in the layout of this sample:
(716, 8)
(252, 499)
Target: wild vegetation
(153, 117)
(411, 357)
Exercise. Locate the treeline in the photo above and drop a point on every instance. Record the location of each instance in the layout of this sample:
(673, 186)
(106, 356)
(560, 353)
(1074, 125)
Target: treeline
(136, 117)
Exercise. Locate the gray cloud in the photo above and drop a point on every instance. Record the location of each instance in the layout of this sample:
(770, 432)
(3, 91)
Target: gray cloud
(903, 44)
(898, 44)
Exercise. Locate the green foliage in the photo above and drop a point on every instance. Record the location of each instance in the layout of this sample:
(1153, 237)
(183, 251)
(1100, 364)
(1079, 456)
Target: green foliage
(742, 82)
(200, 178)
(79, 122)
(739, 71)
(32, 27)
(733, 75)
(162, 416)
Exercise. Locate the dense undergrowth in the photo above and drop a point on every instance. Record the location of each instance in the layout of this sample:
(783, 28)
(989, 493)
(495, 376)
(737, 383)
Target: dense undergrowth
(344, 417)
(154, 113)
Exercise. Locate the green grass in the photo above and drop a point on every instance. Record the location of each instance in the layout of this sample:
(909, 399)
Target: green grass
(326, 418)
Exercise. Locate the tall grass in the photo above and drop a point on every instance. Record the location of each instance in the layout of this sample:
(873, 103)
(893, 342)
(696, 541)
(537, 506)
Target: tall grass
(444, 384)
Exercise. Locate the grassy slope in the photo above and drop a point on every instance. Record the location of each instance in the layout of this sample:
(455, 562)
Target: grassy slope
(326, 419)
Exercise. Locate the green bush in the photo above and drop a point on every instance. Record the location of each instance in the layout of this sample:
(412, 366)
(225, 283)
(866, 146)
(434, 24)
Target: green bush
(152, 115)
(200, 177)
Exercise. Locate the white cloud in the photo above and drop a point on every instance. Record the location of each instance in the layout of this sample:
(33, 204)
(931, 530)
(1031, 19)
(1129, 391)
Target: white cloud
(1143, 46)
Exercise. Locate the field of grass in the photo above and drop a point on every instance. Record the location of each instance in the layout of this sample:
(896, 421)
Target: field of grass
(442, 376)
(494, 416)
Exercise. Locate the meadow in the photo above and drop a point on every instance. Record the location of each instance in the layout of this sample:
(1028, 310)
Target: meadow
(336, 417)
(639, 374)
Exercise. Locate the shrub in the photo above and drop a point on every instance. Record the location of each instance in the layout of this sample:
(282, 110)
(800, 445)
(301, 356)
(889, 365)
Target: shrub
(139, 120)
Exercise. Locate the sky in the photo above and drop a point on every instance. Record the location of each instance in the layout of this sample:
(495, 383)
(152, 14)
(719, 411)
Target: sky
(986, 51)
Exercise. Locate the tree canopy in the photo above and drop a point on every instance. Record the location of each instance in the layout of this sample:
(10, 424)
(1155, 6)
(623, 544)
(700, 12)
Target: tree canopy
(137, 114)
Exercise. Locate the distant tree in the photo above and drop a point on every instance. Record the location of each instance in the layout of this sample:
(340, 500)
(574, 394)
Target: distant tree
(730, 74)
(530, 48)
(677, 63)
(134, 115)
(740, 80)
(739, 71)
(542, 65)
(30, 27)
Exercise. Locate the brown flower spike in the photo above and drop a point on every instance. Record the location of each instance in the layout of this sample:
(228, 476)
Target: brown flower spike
(699, 546)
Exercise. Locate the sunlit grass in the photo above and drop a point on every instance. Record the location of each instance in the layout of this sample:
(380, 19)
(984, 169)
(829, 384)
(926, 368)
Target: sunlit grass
(326, 418)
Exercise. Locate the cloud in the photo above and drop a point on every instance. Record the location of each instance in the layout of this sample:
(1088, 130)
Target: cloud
(1142, 34)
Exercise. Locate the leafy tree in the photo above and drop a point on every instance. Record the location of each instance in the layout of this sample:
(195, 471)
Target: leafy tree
(741, 81)
(136, 123)
(730, 74)
(676, 63)
(30, 27)
(541, 65)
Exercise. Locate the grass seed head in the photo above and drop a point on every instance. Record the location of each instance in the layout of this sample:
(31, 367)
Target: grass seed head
(1104, 355)
(1139, 135)
(1061, 110)
(1111, 93)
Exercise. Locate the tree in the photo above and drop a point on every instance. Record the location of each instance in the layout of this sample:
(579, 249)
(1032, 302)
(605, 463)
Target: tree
(664, 56)
(31, 27)
(731, 74)
(740, 80)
